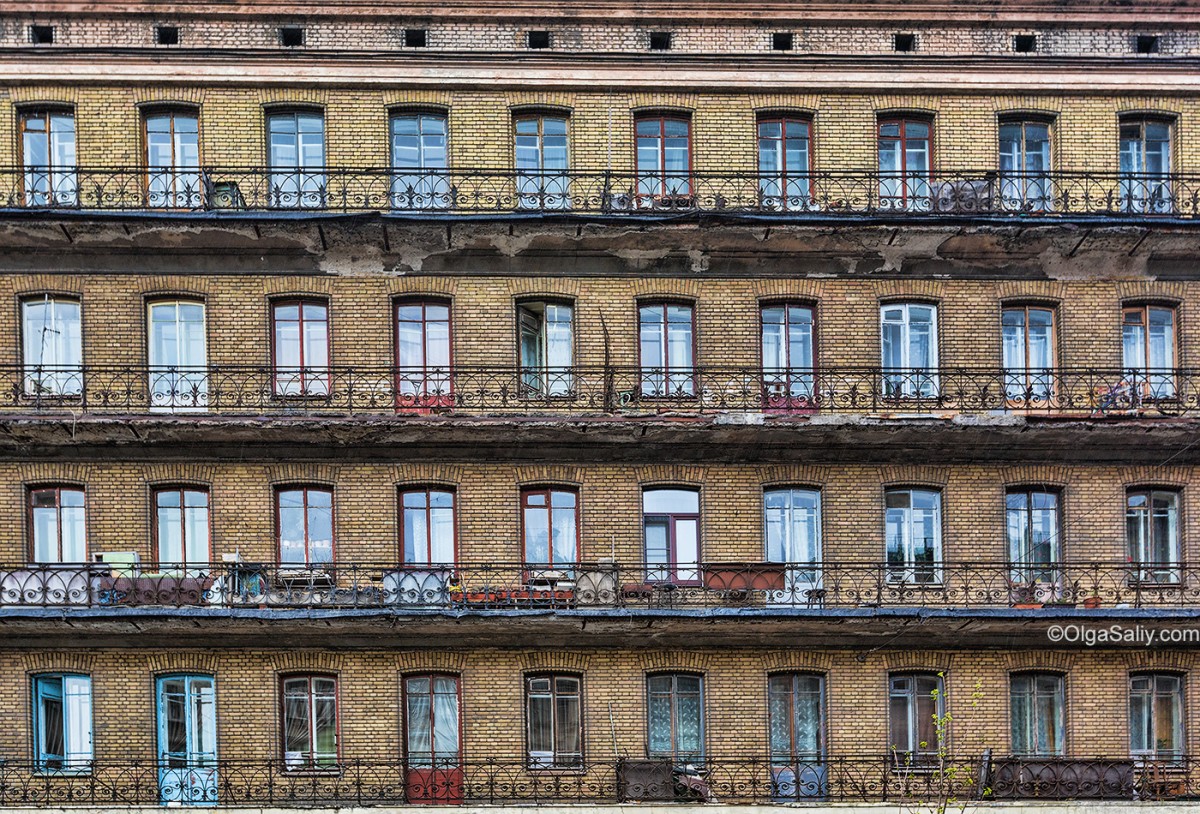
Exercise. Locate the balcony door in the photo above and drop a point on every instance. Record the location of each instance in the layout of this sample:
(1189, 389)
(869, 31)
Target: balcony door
(433, 751)
(187, 740)
(793, 528)
(173, 160)
(178, 357)
(296, 155)
(423, 377)
(796, 727)
(541, 156)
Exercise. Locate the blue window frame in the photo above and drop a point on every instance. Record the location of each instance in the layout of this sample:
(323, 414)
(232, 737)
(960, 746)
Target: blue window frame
(62, 722)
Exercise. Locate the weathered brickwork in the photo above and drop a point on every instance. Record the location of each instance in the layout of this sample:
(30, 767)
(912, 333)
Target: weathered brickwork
(727, 314)
(487, 511)
(369, 692)
(687, 37)
(724, 136)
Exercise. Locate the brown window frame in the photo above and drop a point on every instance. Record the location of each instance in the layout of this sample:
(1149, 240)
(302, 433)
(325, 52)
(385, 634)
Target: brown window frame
(785, 175)
(442, 396)
(310, 765)
(912, 748)
(572, 762)
(674, 693)
(903, 175)
(307, 377)
(548, 493)
(306, 488)
(181, 489)
(57, 489)
(663, 193)
(426, 491)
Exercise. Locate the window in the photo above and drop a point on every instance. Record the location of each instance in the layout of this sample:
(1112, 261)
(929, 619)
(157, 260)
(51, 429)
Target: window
(1156, 716)
(296, 157)
(784, 163)
(166, 35)
(553, 708)
(913, 521)
(675, 714)
(1037, 705)
(1145, 164)
(671, 521)
(48, 157)
(916, 702)
(310, 722)
(782, 41)
(291, 36)
(173, 160)
(666, 346)
(904, 164)
(538, 39)
(300, 347)
(787, 354)
(546, 348)
(1025, 184)
(431, 725)
(181, 529)
(420, 179)
(664, 161)
(792, 518)
(1152, 534)
(1025, 43)
(41, 34)
(908, 333)
(52, 339)
(1034, 541)
(550, 526)
(423, 353)
(187, 739)
(1148, 352)
(305, 523)
(57, 524)
(541, 145)
(427, 526)
(178, 356)
(1027, 337)
(904, 42)
(796, 718)
(660, 40)
(62, 722)
(415, 37)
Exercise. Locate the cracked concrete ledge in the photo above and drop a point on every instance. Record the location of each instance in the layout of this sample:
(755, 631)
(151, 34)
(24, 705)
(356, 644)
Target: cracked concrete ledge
(997, 807)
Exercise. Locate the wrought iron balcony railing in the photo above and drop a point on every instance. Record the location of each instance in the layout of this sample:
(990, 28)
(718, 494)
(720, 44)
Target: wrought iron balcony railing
(499, 587)
(967, 192)
(599, 389)
(780, 778)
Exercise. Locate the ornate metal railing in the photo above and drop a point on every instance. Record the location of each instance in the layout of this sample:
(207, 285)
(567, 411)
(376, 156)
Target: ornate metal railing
(963, 192)
(599, 389)
(490, 587)
(729, 780)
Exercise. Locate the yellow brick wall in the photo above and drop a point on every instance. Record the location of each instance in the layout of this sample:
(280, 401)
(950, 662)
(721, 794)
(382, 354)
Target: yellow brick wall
(119, 506)
(247, 691)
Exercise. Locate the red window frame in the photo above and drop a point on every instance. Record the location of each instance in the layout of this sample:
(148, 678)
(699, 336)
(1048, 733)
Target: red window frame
(305, 373)
(903, 175)
(665, 370)
(547, 492)
(312, 732)
(569, 761)
(426, 491)
(671, 566)
(785, 174)
(786, 401)
(57, 489)
(183, 541)
(305, 489)
(443, 393)
(660, 174)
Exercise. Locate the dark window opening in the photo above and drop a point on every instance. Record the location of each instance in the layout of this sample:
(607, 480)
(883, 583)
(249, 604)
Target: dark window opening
(539, 39)
(1147, 43)
(41, 34)
(660, 40)
(166, 35)
(415, 37)
(782, 41)
(1025, 43)
(905, 42)
(291, 37)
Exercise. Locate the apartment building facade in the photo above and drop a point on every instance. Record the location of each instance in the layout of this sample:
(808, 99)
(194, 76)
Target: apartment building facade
(543, 405)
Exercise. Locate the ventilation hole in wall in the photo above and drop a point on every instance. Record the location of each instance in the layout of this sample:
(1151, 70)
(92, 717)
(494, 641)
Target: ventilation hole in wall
(291, 36)
(1025, 43)
(905, 42)
(1147, 43)
(41, 34)
(166, 35)
(538, 39)
(782, 41)
(415, 37)
(660, 40)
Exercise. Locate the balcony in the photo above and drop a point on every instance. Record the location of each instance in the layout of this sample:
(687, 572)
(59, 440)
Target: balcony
(983, 193)
(611, 390)
(513, 781)
(497, 589)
